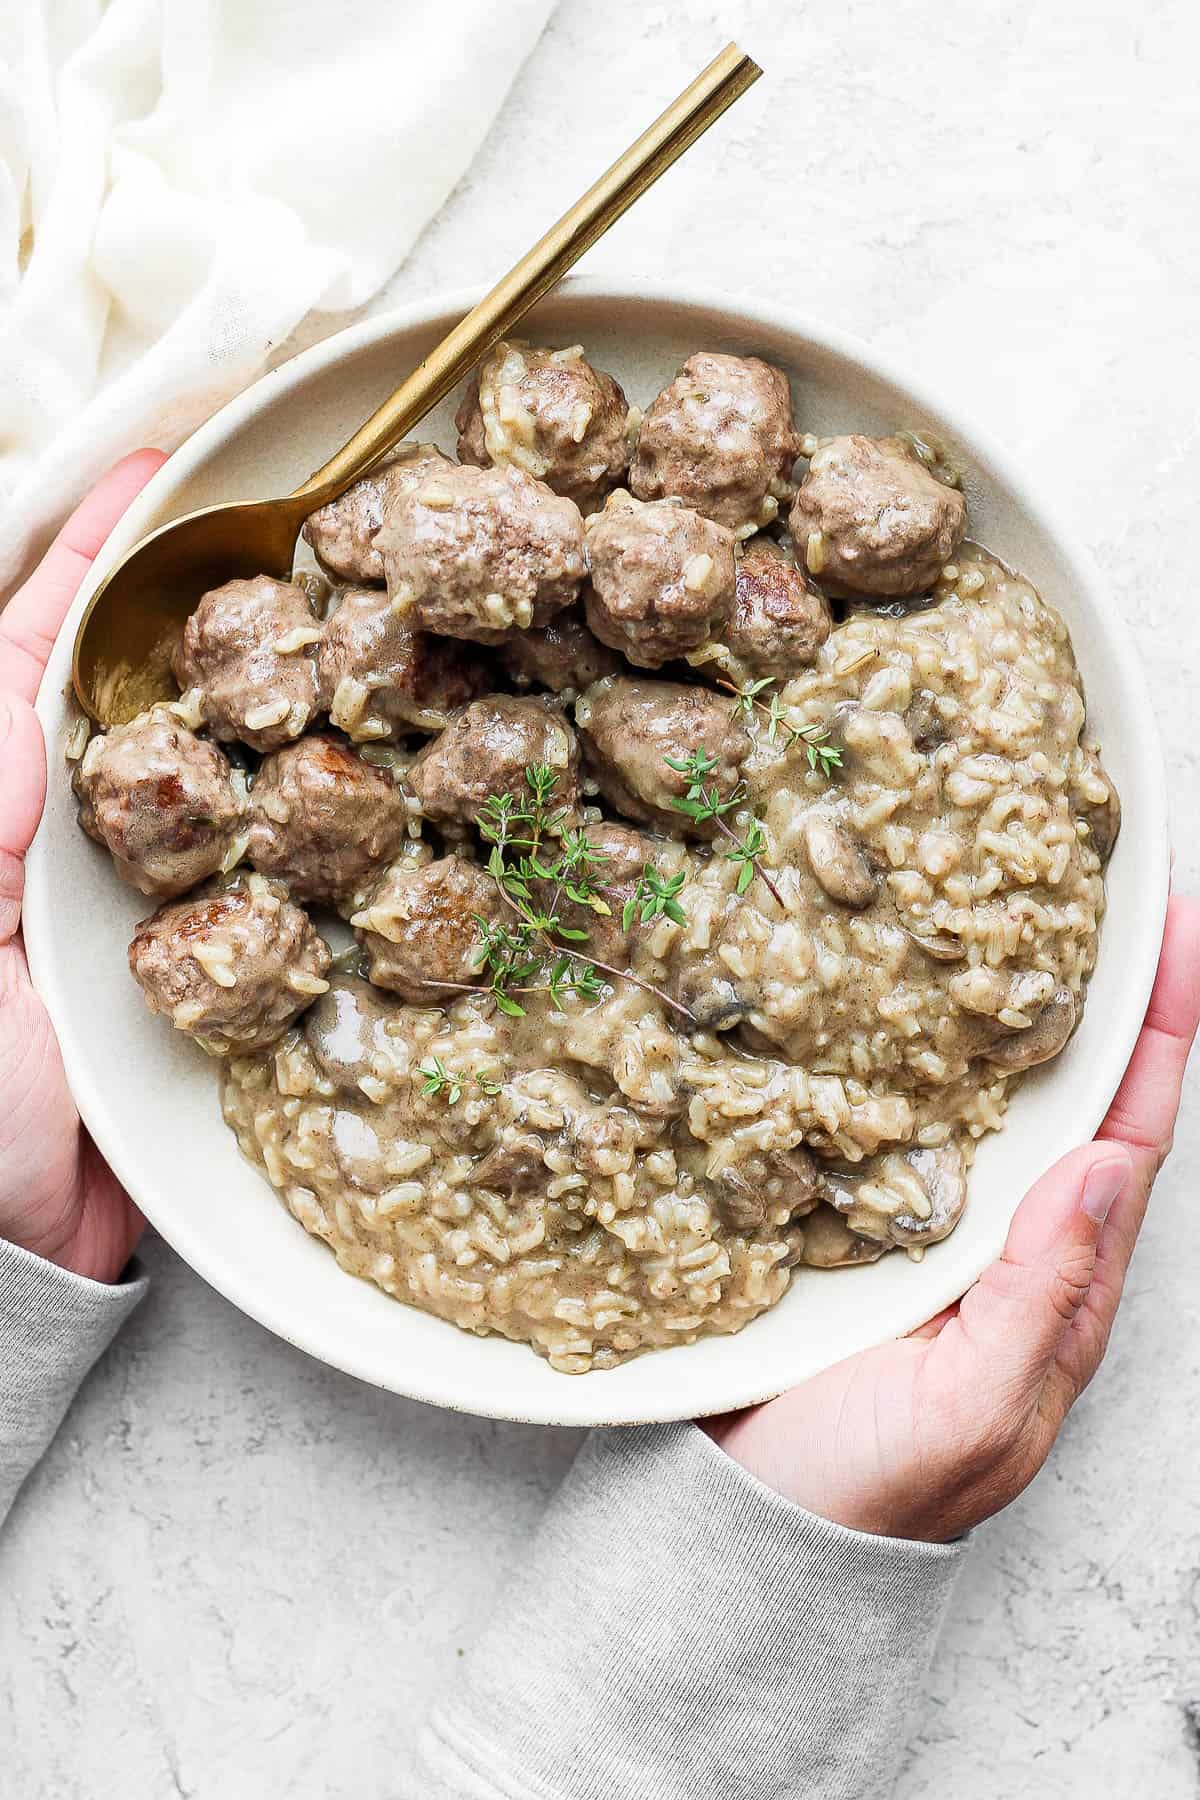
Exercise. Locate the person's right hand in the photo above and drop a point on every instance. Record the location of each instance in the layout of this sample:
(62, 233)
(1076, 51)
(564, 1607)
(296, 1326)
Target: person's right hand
(57, 1197)
(928, 1436)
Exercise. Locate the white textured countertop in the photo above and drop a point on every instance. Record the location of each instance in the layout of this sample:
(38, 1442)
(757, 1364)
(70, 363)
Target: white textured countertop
(239, 1575)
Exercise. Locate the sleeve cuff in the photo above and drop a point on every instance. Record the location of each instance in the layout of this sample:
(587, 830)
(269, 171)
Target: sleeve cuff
(53, 1327)
(679, 1628)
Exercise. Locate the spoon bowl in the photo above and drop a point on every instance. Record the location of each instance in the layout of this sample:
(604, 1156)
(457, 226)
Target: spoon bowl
(126, 637)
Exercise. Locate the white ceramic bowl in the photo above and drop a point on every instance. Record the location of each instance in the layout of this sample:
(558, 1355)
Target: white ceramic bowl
(150, 1099)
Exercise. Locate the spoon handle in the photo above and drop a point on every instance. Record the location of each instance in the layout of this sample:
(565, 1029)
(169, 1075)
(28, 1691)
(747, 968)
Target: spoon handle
(698, 107)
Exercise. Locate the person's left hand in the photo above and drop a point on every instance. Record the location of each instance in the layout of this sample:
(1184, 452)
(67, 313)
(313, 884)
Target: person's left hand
(57, 1197)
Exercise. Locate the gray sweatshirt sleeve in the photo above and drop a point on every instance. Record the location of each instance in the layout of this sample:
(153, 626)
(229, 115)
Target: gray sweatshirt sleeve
(679, 1630)
(53, 1326)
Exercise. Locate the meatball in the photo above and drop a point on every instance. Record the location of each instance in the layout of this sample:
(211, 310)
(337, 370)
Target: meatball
(779, 620)
(624, 853)
(473, 552)
(323, 820)
(721, 438)
(631, 727)
(420, 928)
(342, 534)
(869, 518)
(486, 750)
(378, 678)
(562, 656)
(165, 803)
(662, 578)
(550, 413)
(232, 967)
(246, 659)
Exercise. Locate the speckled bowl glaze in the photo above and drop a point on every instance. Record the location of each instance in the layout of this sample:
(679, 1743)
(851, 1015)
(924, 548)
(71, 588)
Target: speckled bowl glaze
(150, 1099)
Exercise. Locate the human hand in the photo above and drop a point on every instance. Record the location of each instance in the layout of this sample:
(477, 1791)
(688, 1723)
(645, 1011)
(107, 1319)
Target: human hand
(927, 1436)
(57, 1197)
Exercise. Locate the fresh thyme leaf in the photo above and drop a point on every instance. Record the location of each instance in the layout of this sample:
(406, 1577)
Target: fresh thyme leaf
(822, 756)
(438, 1080)
(490, 1084)
(654, 898)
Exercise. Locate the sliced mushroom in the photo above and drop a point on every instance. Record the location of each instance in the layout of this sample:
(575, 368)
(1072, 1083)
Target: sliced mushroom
(837, 862)
(829, 1243)
(993, 993)
(1038, 1042)
(905, 1198)
(509, 1167)
(787, 1177)
(1103, 819)
(940, 945)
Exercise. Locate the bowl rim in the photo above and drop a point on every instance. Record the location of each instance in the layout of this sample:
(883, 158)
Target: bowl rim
(582, 1400)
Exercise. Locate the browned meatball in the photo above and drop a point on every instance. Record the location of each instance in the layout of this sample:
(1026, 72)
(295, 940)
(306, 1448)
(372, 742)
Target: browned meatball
(662, 578)
(378, 678)
(164, 802)
(720, 437)
(487, 749)
(474, 552)
(625, 853)
(231, 967)
(779, 620)
(631, 727)
(419, 928)
(342, 534)
(550, 413)
(870, 518)
(562, 656)
(246, 657)
(323, 820)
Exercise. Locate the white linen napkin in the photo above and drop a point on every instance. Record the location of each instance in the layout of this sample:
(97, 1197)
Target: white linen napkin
(182, 182)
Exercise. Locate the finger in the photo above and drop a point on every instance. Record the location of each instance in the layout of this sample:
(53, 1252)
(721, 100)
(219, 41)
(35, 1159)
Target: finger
(1142, 1115)
(22, 796)
(29, 623)
(1019, 1311)
(932, 1327)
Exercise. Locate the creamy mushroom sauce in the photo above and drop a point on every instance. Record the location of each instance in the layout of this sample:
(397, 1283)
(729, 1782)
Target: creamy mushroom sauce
(624, 1183)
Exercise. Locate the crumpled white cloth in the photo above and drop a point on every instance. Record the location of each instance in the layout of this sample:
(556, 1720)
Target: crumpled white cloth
(183, 182)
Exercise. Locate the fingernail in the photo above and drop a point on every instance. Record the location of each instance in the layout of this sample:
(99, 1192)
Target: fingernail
(1104, 1182)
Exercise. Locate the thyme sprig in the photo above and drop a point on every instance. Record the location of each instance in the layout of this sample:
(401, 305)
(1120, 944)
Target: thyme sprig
(707, 805)
(532, 848)
(655, 898)
(438, 1081)
(822, 756)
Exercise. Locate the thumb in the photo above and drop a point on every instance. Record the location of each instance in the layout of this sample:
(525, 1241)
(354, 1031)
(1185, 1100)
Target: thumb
(22, 797)
(1019, 1310)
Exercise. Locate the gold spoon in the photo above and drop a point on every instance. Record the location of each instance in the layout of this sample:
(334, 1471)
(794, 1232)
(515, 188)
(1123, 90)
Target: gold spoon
(123, 645)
